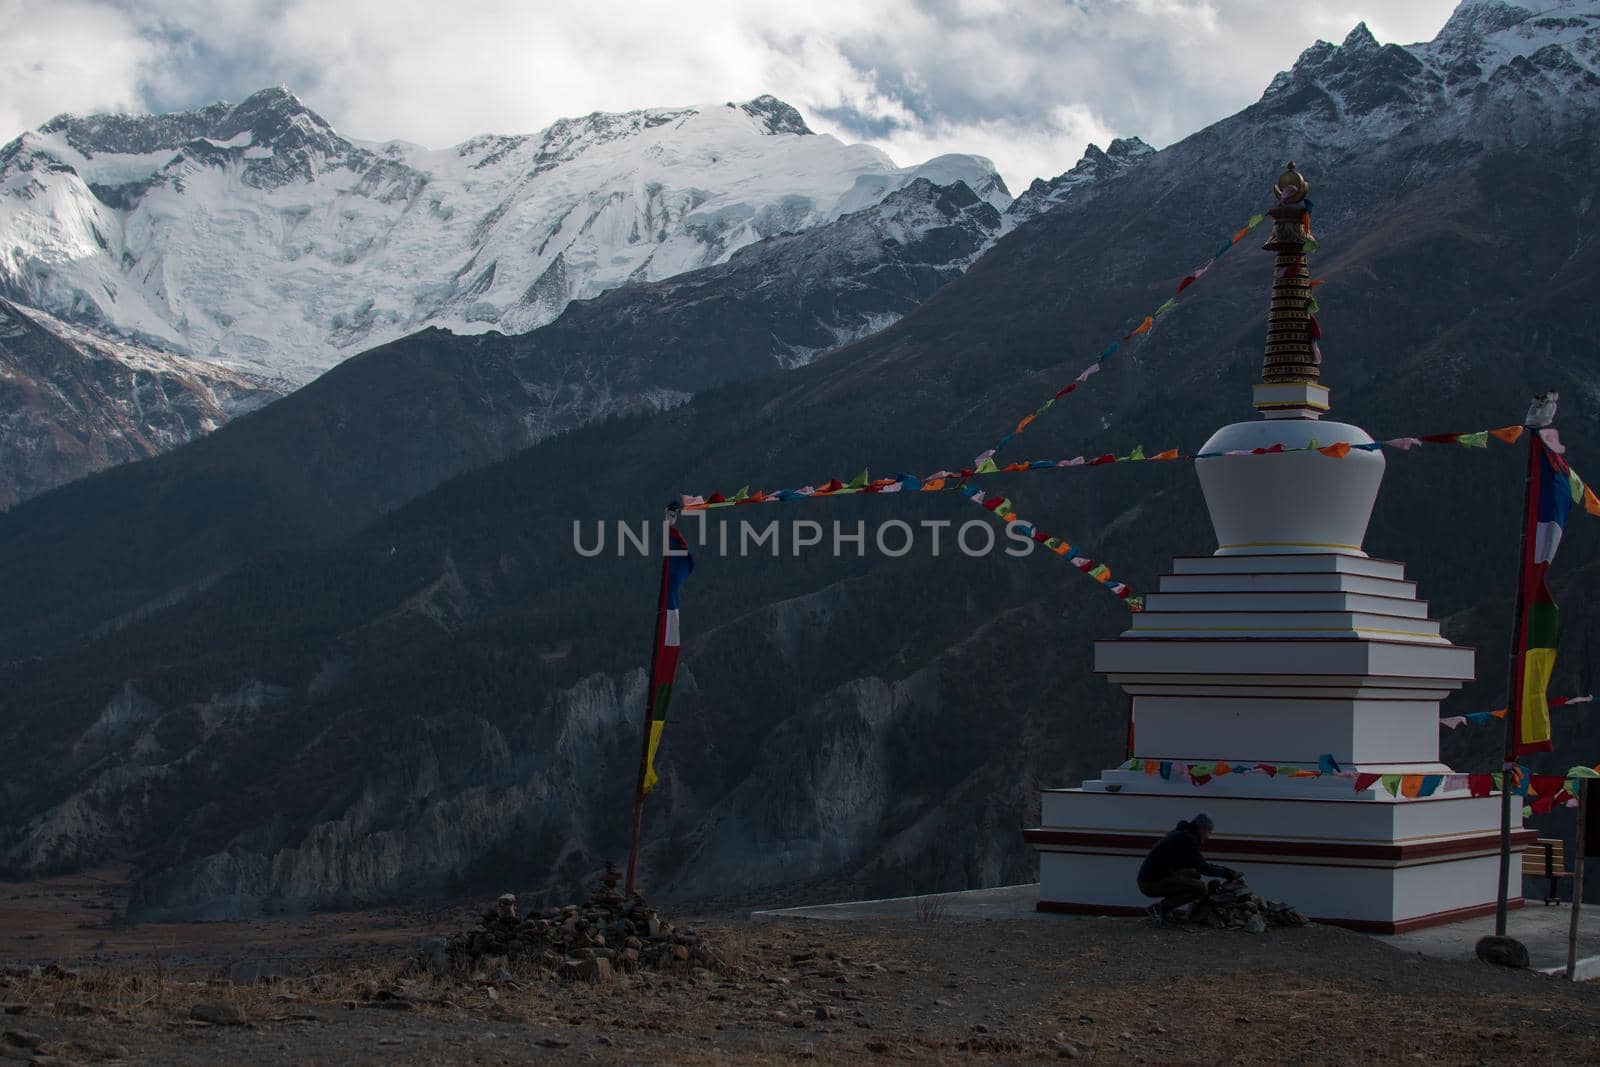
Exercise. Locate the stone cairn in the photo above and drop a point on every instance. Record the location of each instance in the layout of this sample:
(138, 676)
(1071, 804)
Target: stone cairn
(1232, 906)
(592, 941)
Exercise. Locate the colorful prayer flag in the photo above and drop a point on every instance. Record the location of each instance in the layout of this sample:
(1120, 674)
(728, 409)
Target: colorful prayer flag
(1541, 622)
(676, 566)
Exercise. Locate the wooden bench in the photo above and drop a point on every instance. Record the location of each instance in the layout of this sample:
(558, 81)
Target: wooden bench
(1545, 859)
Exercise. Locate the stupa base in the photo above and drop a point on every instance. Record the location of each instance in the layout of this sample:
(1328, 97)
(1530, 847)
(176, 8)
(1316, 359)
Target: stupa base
(1374, 864)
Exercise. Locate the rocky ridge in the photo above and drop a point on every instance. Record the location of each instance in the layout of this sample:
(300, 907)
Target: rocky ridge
(73, 402)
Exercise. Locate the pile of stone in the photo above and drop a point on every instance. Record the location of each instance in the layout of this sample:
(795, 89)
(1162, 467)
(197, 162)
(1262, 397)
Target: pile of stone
(592, 941)
(1232, 906)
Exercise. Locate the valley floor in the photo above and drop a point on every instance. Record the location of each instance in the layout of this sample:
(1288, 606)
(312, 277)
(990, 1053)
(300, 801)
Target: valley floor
(930, 991)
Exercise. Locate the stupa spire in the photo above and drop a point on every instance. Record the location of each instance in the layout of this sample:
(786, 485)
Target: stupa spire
(1292, 364)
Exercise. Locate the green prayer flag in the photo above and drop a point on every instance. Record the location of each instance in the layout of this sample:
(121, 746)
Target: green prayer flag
(858, 482)
(1474, 440)
(1256, 220)
(742, 493)
(1310, 246)
(1136, 454)
(1312, 307)
(1583, 772)
(987, 467)
(1164, 308)
(1391, 784)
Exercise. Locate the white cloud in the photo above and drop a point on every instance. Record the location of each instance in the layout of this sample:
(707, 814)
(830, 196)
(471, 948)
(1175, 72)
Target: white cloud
(1026, 85)
(70, 55)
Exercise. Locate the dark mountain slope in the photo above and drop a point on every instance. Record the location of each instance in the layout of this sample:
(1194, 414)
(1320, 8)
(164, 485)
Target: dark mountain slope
(391, 423)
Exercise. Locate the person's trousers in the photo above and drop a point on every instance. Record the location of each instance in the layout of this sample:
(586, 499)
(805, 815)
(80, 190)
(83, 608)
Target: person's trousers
(1176, 889)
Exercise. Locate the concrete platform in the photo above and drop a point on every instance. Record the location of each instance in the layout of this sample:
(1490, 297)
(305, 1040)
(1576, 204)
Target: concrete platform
(1542, 928)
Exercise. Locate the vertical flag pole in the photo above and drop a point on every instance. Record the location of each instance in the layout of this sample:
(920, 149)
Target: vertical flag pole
(1514, 685)
(649, 708)
(1514, 673)
(1577, 879)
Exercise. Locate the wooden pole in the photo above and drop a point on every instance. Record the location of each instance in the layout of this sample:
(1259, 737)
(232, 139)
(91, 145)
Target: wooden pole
(1577, 881)
(649, 708)
(1514, 682)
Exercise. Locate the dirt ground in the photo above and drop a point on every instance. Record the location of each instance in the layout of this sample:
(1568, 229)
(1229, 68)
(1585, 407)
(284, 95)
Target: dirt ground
(327, 989)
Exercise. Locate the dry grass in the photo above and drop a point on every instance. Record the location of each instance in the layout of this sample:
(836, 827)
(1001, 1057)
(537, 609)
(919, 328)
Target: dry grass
(931, 909)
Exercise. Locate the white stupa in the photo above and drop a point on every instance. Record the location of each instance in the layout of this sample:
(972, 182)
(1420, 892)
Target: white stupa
(1285, 644)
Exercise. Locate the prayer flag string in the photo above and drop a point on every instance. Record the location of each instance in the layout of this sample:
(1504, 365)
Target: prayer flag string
(956, 481)
(1480, 718)
(1147, 323)
(1544, 790)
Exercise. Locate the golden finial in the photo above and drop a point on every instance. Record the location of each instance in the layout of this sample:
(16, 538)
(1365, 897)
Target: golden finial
(1292, 186)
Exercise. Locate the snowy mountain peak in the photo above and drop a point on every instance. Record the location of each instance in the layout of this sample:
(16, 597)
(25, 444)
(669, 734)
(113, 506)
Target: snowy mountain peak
(277, 117)
(256, 236)
(1360, 38)
(775, 115)
(1478, 18)
(1096, 165)
(1488, 51)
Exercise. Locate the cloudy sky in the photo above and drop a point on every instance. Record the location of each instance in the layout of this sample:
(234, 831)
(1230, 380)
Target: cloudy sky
(1025, 82)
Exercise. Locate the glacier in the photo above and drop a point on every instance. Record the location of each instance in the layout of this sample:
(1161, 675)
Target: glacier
(259, 238)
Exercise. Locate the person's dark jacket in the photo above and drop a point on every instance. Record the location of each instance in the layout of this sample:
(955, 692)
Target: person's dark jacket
(1178, 851)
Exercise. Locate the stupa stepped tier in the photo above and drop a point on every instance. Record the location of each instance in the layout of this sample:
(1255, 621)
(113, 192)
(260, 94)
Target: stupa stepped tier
(1285, 645)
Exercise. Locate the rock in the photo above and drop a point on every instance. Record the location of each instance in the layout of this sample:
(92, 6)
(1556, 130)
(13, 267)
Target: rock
(15, 1009)
(595, 970)
(1255, 924)
(218, 1013)
(435, 956)
(825, 1011)
(23, 1039)
(1504, 951)
(506, 907)
(1068, 1051)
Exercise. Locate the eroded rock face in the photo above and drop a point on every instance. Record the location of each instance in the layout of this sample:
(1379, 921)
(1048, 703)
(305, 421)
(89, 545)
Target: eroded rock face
(73, 402)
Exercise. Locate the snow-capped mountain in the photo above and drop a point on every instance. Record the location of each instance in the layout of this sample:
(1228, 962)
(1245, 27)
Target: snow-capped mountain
(256, 236)
(1489, 51)
(73, 402)
(1096, 165)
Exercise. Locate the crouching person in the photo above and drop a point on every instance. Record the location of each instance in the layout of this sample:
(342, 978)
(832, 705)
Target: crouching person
(1176, 869)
